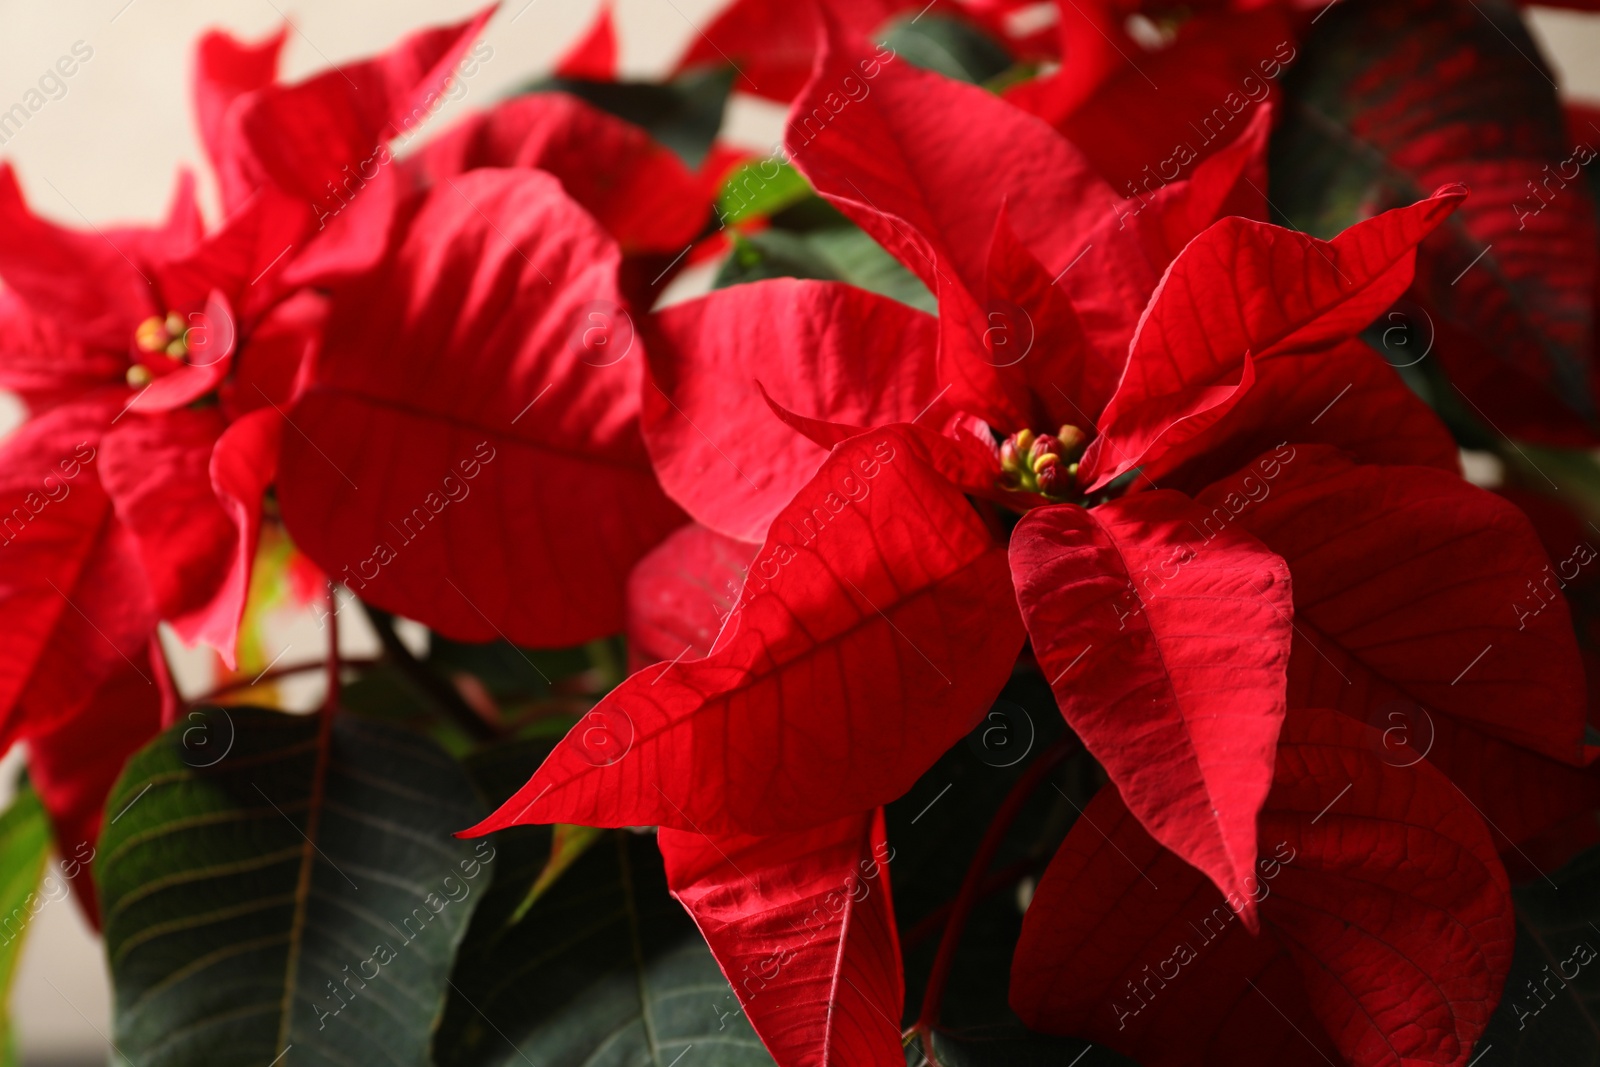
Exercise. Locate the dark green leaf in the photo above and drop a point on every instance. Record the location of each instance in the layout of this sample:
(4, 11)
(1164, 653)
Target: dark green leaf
(605, 969)
(952, 47)
(24, 845)
(301, 890)
(840, 253)
(683, 114)
(508, 672)
(1550, 1011)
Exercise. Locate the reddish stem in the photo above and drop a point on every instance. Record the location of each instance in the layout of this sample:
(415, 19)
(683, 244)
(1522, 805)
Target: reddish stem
(968, 894)
(935, 920)
(332, 700)
(280, 672)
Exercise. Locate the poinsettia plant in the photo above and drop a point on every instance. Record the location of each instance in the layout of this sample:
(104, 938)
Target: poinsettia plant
(987, 579)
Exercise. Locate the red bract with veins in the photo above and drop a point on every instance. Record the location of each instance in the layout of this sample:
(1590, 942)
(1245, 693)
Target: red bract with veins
(1176, 622)
(157, 363)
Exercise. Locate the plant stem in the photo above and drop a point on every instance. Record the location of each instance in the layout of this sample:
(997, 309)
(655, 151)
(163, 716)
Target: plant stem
(935, 920)
(968, 894)
(279, 672)
(331, 701)
(439, 692)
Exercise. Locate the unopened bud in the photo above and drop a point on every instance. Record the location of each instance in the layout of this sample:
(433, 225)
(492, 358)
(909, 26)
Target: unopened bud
(150, 335)
(1055, 479)
(1072, 441)
(1010, 461)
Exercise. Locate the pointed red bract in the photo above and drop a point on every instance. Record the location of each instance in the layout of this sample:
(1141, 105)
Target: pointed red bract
(303, 136)
(1420, 581)
(74, 763)
(242, 465)
(923, 164)
(773, 47)
(157, 471)
(594, 55)
(227, 69)
(1378, 884)
(875, 628)
(680, 594)
(823, 350)
(1014, 351)
(1347, 396)
(1241, 294)
(637, 189)
(1192, 96)
(466, 452)
(803, 927)
(1124, 256)
(92, 290)
(1167, 652)
(73, 598)
(44, 364)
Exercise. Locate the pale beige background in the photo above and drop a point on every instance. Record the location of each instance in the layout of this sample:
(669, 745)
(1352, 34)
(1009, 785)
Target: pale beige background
(107, 151)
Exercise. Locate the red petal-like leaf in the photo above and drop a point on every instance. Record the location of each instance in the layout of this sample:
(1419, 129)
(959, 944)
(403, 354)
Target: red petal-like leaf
(46, 365)
(225, 70)
(923, 164)
(1509, 284)
(302, 136)
(1347, 396)
(467, 451)
(803, 927)
(1379, 885)
(1125, 255)
(1167, 654)
(594, 55)
(157, 472)
(875, 628)
(73, 764)
(1019, 357)
(73, 598)
(1423, 581)
(679, 594)
(1192, 96)
(823, 350)
(81, 280)
(638, 190)
(1241, 293)
(243, 464)
(774, 46)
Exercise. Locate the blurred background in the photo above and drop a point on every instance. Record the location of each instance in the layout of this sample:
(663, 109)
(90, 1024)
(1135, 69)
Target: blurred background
(107, 149)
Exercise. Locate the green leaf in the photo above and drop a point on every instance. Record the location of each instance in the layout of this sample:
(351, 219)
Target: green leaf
(952, 47)
(508, 672)
(24, 845)
(835, 253)
(567, 843)
(752, 193)
(1550, 1011)
(605, 969)
(301, 890)
(683, 114)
